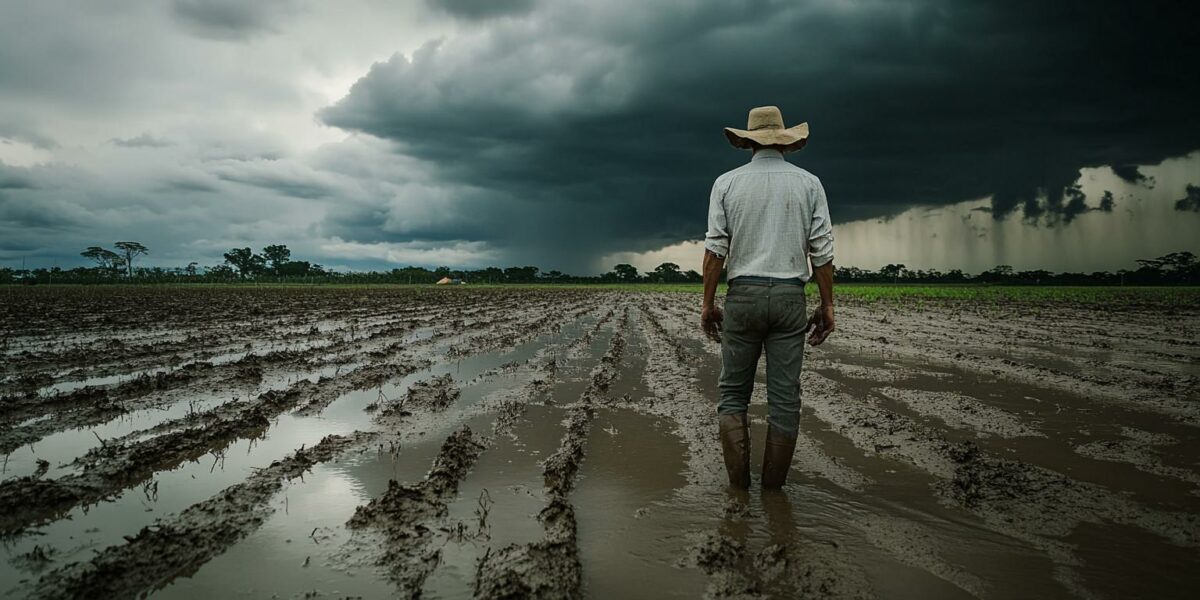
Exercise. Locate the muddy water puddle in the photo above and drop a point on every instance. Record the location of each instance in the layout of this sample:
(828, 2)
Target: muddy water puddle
(507, 483)
(1137, 360)
(67, 384)
(633, 521)
(300, 551)
(60, 449)
(69, 381)
(910, 544)
(304, 546)
(866, 506)
(168, 492)
(1063, 421)
(646, 519)
(892, 533)
(333, 562)
(1147, 566)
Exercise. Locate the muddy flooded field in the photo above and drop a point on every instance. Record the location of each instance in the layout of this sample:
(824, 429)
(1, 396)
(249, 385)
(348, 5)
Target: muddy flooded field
(451, 443)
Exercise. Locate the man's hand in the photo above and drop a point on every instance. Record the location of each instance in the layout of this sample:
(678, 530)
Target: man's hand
(821, 324)
(710, 321)
(710, 315)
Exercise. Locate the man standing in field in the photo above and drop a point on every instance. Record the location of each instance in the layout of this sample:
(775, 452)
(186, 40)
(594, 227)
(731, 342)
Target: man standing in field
(767, 221)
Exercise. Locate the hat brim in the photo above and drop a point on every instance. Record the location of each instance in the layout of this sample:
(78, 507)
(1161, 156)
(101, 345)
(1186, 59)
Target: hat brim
(786, 140)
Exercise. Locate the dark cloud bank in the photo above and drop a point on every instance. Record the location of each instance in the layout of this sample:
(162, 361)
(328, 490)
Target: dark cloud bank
(557, 132)
(475, 10)
(231, 19)
(1191, 201)
(584, 128)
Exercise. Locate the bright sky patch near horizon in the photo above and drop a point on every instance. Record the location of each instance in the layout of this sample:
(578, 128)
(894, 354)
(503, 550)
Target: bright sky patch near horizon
(571, 135)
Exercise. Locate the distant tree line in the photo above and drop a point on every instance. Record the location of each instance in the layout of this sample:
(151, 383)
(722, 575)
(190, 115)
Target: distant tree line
(275, 264)
(275, 261)
(1171, 269)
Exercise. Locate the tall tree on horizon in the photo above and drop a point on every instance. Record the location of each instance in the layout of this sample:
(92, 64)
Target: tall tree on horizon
(246, 261)
(626, 272)
(105, 259)
(893, 271)
(277, 255)
(667, 272)
(131, 250)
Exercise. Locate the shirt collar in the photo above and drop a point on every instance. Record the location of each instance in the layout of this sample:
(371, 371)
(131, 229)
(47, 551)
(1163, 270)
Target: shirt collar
(767, 153)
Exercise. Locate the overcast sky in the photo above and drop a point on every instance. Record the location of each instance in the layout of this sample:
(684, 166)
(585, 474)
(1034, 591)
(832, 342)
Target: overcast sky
(572, 134)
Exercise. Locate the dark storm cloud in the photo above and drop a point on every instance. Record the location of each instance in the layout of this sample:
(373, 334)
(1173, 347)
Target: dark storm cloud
(599, 124)
(263, 174)
(186, 184)
(1191, 201)
(465, 218)
(15, 178)
(1107, 203)
(1131, 174)
(482, 9)
(1067, 205)
(34, 199)
(24, 133)
(230, 19)
(144, 140)
(1060, 207)
(47, 216)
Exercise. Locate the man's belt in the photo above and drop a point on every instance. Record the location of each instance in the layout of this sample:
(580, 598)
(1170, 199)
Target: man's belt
(756, 280)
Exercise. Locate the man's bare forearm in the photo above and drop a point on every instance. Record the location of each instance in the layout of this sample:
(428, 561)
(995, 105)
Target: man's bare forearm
(824, 276)
(713, 265)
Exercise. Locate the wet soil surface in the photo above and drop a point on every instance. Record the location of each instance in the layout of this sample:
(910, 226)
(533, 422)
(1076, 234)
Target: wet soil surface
(382, 442)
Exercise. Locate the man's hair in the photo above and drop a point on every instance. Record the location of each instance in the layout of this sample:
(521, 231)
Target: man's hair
(755, 146)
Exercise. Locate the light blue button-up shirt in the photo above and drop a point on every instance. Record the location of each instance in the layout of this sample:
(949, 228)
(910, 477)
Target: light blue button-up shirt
(769, 218)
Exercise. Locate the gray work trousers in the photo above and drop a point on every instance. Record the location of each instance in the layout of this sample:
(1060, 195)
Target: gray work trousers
(759, 315)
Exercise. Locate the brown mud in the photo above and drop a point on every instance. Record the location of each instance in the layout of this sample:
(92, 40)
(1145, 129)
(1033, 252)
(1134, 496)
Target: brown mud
(114, 466)
(158, 554)
(550, 567)
(402, 512)
(560, 443)
(317, 396)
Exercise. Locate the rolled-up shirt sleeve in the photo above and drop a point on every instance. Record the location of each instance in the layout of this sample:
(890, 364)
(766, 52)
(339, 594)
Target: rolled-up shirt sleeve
(716, 240)
(820, 234)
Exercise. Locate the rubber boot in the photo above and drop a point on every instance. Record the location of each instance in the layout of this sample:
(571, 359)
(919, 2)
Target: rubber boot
(735, 444)
(777, 457)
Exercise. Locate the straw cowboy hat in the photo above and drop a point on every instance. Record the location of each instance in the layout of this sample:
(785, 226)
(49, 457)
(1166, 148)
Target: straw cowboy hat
(765, 128)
